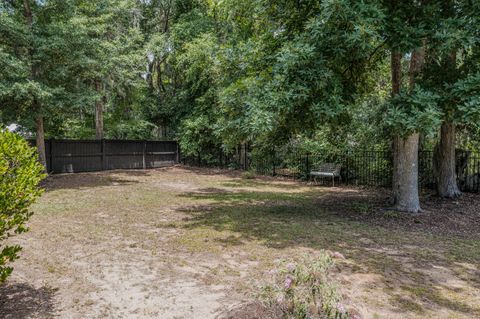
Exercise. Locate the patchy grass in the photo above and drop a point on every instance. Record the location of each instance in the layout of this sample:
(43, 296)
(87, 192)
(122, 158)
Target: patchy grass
(192, 243)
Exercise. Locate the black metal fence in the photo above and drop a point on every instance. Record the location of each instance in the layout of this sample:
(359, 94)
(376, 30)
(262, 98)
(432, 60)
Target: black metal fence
(217, 157)
(360, 167)
(72, 156)
(371, 168)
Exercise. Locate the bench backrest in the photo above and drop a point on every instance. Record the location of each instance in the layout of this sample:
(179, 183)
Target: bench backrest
(330, 168)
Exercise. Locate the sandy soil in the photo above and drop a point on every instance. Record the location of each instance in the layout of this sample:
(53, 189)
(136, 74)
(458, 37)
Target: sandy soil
(181, 243)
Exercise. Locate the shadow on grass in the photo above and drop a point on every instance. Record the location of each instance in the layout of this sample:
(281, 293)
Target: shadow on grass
(20, 300)
(239, 183)
(404, 259)
(91, 180)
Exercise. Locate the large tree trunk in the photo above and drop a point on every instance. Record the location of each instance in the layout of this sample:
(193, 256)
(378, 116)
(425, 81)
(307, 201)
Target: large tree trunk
(99, 112)
(445, 152)
(445, 166)
(405, 157)
(396, 69)
(405, 187)
(40, 141)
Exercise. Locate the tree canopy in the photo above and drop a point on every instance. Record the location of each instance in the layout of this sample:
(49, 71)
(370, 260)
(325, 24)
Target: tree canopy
(216, 74)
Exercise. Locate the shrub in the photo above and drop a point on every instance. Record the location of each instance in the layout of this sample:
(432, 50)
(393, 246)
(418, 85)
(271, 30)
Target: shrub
(20, 174)
(303, 289)
(248, 175)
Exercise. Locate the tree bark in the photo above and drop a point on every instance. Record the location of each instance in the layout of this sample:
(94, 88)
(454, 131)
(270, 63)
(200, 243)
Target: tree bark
(396, 70)
(405, 161)
(445, 161)
(40, 141)
(405, 186)
(99, 112)
(445, 152)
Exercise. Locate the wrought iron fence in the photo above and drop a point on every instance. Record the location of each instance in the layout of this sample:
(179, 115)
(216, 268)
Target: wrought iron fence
(365, 167)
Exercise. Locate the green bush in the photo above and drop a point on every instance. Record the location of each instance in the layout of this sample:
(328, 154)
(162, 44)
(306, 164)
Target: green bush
(20, 174)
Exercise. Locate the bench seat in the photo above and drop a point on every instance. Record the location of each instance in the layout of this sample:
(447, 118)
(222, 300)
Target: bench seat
(327, 170)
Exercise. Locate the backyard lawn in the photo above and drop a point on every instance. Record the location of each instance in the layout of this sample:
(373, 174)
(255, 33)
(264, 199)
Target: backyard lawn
(196, 243)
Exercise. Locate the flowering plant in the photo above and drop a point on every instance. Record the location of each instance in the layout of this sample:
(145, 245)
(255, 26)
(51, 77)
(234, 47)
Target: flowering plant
(303, 289)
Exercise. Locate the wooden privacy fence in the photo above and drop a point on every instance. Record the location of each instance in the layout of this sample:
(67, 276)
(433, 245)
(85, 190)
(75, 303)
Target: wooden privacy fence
(72, 156)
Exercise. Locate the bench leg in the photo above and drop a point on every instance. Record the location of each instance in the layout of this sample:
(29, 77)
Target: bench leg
(333, 180)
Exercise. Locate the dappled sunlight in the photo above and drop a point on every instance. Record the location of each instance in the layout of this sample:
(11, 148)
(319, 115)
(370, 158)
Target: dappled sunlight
(218, 230)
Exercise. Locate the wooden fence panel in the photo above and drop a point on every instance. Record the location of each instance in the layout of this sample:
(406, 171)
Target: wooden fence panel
(123, 154)
(159, 154)
(73, 156)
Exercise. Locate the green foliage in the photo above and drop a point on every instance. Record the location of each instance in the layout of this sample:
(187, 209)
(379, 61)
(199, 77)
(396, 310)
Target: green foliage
(221, 73)
(304, 289)
(413, 112)
(20, 174)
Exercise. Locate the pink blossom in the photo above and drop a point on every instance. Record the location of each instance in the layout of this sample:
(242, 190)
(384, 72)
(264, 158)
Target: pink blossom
(290, 266)
(338, 255)
(280, 300)
(340, 307)
(273, 272)
(288, 282)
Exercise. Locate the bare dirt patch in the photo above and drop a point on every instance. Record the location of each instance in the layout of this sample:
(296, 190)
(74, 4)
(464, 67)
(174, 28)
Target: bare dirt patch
(193, 243)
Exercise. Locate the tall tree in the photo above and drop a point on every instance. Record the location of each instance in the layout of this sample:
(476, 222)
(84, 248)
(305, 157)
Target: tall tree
(31, 38)
(411, 111)
(451, 71)
(112, 50)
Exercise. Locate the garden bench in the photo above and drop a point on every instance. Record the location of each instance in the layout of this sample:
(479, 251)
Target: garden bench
(327, 170)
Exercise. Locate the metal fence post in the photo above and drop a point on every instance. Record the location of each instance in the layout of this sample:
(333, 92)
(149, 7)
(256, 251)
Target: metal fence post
(273, 162)
(307, 167)
(347, 168)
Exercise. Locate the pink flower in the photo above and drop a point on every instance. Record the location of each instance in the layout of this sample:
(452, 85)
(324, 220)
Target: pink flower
(280, 300)
(288, 283)
(340, 307)
(290, 267)
(273, 272)
(338, 255)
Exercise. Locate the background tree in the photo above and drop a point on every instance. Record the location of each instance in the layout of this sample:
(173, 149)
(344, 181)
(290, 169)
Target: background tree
(37, 42)
(410, 111)
(452, 73)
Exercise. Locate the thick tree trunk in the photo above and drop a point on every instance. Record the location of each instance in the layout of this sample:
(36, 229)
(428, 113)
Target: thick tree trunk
(446, 176)
(99, 112)
(396, 69)
(445, 161)
(40, 140)
(405, 187)
(405, 158)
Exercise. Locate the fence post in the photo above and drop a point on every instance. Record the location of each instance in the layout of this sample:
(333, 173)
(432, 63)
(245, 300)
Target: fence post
(104, 155)
(178, 153)
(144, 151)
(245, 156)
(273, 162)
(50, 155)
(307, 167)
(347, 176)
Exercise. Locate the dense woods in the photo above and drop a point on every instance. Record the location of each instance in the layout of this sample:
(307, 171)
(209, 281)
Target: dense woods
(316, 74)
